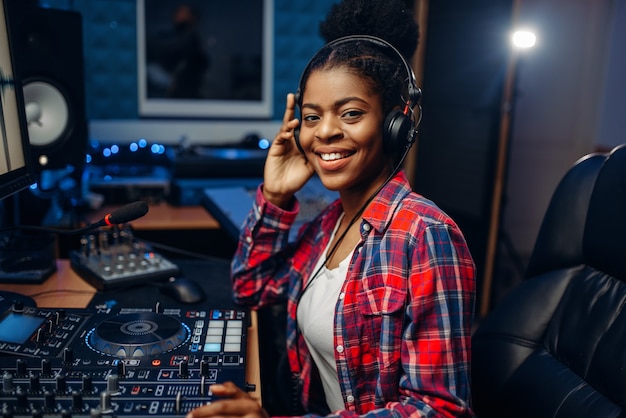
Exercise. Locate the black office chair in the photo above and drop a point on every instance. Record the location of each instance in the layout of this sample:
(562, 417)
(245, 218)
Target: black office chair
(555, 346)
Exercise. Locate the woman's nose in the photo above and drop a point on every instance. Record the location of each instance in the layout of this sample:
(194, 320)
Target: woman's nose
(328, 128)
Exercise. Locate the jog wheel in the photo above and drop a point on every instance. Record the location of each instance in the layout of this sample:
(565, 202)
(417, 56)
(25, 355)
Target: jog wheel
(140, 334)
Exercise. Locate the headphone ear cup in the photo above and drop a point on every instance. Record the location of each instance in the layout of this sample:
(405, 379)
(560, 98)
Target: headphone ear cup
(296, 132)
(296, 136)
(396, 131)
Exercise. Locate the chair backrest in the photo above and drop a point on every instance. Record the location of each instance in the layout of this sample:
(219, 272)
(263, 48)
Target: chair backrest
(554, 346)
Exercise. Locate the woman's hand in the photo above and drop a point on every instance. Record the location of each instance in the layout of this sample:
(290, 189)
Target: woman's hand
(237, 404)
(286, 168)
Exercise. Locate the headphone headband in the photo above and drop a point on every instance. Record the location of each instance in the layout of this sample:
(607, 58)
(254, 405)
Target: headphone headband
(400, 128)
(415, 93)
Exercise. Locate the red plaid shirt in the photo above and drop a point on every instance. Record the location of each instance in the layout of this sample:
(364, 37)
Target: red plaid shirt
(403, 319)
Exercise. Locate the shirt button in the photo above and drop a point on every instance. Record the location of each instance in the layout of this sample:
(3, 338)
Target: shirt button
(350, 398)
(340, 348)
(342, 295)
(248, 240)
(366, 227)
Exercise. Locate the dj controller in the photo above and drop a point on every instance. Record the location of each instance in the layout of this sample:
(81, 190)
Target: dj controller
(107, 362)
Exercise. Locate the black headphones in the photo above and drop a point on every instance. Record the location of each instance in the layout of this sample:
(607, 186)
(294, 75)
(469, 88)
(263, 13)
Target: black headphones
(400, 127)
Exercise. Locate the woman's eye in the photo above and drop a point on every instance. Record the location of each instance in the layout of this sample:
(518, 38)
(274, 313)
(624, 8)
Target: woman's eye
(352, 114)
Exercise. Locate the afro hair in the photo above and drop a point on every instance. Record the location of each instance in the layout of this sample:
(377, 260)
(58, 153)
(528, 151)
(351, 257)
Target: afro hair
(390, 20)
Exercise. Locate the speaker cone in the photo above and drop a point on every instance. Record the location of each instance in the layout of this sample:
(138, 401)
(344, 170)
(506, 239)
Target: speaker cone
(47, 112)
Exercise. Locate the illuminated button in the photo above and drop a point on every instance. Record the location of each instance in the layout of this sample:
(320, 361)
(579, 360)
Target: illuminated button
(156, 362)
(232, 339)
(212, 348)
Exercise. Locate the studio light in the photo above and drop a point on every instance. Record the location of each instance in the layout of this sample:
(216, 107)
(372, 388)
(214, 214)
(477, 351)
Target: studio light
(524, 39)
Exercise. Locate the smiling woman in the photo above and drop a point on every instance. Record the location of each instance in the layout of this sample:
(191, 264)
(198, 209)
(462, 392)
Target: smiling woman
(380, 285)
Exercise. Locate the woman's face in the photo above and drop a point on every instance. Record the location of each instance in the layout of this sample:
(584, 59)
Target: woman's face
(341, 131)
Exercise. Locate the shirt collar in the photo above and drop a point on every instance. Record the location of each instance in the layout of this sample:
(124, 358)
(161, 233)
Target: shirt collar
(380, 211)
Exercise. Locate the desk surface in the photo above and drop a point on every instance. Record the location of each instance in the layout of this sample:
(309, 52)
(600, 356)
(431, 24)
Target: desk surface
(65, 289)
(165, 216)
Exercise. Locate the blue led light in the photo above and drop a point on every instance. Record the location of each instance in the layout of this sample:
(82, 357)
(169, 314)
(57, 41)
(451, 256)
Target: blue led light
(264, 143)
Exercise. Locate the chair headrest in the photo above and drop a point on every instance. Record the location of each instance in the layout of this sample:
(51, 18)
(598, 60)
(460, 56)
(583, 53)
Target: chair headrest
(604, 244)
(585, 222)
(559, 242)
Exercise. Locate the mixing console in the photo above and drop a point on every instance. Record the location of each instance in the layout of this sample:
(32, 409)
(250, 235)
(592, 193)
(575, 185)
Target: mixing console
(116, 362)
(114, 258)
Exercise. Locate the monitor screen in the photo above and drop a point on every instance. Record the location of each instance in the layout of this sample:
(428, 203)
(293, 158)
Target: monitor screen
(199, 58)
(16, 172)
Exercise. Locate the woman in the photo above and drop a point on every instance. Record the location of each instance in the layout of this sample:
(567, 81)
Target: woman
(380, 287)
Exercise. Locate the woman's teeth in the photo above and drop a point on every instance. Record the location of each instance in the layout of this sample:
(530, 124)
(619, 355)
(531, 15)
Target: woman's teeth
(332, 156)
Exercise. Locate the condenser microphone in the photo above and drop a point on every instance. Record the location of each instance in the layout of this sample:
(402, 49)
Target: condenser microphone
(126, 213)
(122, 215)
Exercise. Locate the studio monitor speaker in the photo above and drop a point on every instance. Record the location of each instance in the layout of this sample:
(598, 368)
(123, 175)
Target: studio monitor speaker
(49, 59)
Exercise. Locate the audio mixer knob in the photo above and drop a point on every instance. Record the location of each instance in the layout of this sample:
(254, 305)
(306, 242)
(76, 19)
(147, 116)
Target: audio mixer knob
(60, 314)
(61, 383)
(113, 383)
(105, 402)
(183, 369)
(18, 306)
(68, 356)
(34, 383)
(7, 382)
(87, 384)
(21, 399)
(20, 366)
(204, 368)
(77, 401)
(49, 400)
(46, 367)
(120, 368)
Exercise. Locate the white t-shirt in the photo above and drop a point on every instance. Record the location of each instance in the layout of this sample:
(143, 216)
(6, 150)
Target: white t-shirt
(316, 315)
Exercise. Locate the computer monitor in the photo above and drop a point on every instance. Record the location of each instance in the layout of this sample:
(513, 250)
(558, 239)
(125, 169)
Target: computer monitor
(208, 59)
(16, 169)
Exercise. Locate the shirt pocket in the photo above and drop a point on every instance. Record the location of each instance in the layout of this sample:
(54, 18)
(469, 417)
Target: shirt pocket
(381, 309)
(384, 300)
